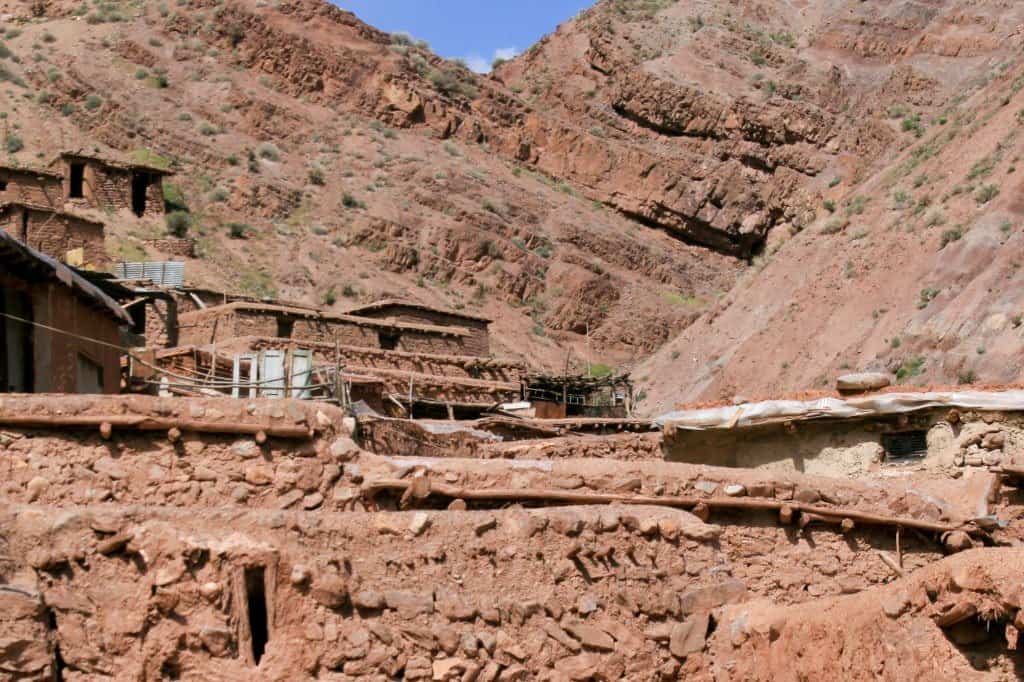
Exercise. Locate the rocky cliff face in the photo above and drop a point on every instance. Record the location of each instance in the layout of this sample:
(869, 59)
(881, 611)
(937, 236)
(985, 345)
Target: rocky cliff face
(616, 182)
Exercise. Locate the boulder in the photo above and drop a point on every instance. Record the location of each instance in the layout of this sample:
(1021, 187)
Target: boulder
(862, 382)
(688, 637)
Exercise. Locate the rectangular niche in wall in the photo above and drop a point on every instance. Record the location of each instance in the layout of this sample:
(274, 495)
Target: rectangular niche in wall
(257, 611)
(905, 446)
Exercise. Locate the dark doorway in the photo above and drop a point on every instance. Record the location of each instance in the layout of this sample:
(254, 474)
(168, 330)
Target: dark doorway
(15, 342)
(387, 339)
(23, 236)
(256, 599)
(76, 181)
(140, 183)
(285, 327)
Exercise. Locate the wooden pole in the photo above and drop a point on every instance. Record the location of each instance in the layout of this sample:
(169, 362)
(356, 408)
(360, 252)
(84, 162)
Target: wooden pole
(834, 515)
(143, 423)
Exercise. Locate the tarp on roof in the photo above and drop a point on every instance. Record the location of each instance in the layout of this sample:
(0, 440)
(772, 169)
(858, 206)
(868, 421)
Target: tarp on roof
(880, 404)
(24, 261)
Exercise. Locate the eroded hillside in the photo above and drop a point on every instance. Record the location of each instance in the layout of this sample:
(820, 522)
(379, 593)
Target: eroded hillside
(323, 161)
(783, 190)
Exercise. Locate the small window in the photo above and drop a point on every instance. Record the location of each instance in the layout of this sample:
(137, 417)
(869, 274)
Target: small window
(388, 340)
(905, 445)
(285, 326)
(3, 184)
(76, 181)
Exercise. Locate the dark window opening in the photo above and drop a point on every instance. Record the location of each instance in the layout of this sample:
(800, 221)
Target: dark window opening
(285, 327)
(76, 181)
(138, 313)
(3, 184)
(388, 340)
(140, 183)
(24, 225)
(258, 619)
(905, 445)
(16, 352)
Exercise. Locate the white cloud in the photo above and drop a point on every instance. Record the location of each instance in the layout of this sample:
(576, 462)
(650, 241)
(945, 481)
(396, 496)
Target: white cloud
(477, 63)
(506, 53)
(482, 65)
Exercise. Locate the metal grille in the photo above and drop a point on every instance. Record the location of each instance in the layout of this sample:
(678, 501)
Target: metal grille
(905, 445)
(164, 274)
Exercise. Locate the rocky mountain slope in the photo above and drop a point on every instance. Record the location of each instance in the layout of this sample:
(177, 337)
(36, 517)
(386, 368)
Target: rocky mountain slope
(323, 161)
(863, 154)
(732, 198)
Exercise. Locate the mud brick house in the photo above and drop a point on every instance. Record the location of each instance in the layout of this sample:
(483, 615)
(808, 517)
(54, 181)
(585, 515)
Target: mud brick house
(77, 349)
(42, 187)
(929, 430)
(220, 323)
(67, 236)
(110, 183)
(478, 342)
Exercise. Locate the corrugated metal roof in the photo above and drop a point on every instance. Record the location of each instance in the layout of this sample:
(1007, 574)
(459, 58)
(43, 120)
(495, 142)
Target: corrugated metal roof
(161, 273)
(24, 261)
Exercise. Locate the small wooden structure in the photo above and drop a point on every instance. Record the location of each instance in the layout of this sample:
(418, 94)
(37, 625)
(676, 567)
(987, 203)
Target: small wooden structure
(558, 397)
(58, 332)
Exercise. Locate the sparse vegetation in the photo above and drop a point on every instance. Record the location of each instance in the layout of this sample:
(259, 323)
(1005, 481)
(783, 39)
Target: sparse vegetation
(910, 368)
(178, 223)
(239, 230)
(13, 144)
(93, 102)
(349, 201)
(268, 151)
(950, 236)
(986, 193)
(927, 296)
(966, 376)
(316, 176)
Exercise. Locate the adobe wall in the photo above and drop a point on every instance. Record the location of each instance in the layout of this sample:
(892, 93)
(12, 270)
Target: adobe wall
(31, 188)
(55, 234)
(153, 593)
(55, 355)
(854, 447)
(110, 188)
(413, 439)
(183, 247)
(162, 329)
(201, 552)
(478, 342)
(202, 328)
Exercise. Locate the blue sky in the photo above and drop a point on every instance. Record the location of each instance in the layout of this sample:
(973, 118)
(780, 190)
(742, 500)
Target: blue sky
(475, 30)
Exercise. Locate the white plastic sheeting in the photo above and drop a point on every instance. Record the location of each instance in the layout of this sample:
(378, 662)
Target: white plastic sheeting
(773, 411)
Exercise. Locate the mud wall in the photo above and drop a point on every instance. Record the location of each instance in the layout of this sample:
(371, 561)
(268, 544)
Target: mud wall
(512, 595)
(206, 327)
(854, 447)
(478, 342)
(56, 233)
(31, 188)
